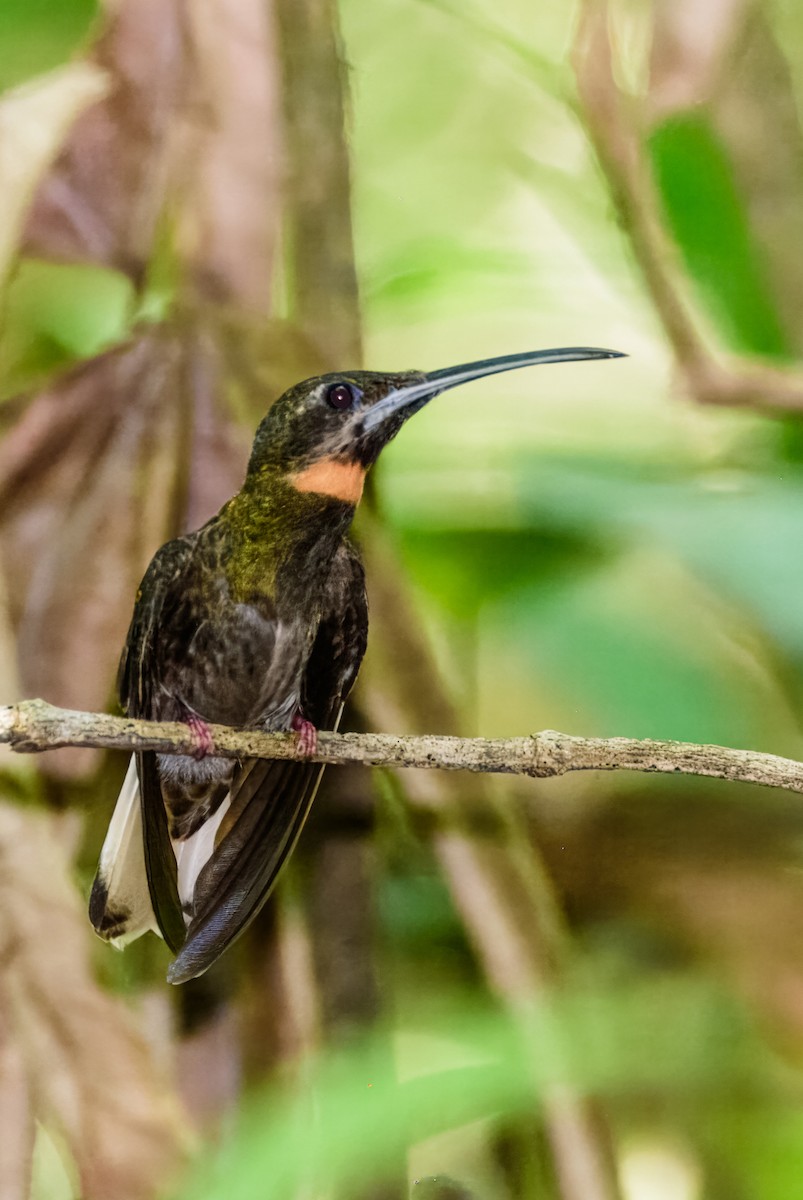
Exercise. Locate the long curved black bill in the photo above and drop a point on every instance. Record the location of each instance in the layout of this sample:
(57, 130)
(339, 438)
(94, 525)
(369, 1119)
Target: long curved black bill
(435, 382)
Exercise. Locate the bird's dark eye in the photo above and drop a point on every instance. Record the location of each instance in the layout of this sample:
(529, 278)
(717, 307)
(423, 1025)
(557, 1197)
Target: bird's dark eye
(340, 395)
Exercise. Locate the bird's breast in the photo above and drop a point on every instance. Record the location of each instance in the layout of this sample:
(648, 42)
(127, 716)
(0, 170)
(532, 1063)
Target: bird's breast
(252, 667)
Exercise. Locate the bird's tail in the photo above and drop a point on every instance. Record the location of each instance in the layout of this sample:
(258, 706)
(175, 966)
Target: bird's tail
(120, 906)
(268, 805)
(224, 871)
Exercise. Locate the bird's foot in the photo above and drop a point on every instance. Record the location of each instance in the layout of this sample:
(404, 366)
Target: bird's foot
(307, 735)
(201, 735)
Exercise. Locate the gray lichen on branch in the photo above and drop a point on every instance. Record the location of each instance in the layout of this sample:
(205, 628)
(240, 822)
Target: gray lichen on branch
(34, 725)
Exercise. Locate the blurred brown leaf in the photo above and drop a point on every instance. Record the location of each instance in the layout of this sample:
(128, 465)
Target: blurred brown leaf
(90, 1071)
(90, 485)
(133, 447)
(16, 1118)
(104, 197)
(98, 472)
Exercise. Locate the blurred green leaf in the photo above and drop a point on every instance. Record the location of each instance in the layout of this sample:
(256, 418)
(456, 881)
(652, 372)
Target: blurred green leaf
(37, 35)
(759, 1146)
(675, 1032)
(465, 569)
(735, 529)
(604, 653)
(705, 213)
(53, 1171)
(60, 313)
(635, 599)
(441, 269)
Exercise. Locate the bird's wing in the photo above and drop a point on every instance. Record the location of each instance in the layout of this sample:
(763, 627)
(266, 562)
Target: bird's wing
(157, 605)
(269, 801)
(130, 888)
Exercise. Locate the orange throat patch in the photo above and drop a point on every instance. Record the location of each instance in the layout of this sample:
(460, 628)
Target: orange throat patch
(340, 480)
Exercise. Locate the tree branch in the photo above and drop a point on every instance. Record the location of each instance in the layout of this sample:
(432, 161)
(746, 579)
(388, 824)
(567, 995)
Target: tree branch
(34, 725)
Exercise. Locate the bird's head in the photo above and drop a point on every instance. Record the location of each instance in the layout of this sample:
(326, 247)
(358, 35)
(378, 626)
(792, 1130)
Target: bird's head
(324, 434)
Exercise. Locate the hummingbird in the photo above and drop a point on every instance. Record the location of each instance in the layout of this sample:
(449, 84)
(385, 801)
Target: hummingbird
(257, 620)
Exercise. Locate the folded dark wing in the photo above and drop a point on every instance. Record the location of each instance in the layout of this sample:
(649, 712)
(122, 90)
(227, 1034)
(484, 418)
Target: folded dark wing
(142, 665)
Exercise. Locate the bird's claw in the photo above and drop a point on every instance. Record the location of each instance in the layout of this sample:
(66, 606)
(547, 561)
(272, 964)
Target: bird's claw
(307, 735)
(201, 736)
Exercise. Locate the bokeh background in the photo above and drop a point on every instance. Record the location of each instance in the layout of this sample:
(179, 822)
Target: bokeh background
(578, 989)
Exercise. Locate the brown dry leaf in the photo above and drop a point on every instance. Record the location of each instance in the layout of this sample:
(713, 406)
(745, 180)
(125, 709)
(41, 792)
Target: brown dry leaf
(34, 119)
(105, 194)
(98, 472)
(90, 485)
(90, 1072)
(16, 1118)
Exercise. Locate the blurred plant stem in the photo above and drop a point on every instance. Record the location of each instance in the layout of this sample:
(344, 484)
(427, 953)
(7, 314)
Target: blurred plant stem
(616, 128)
(321, 272)
(335, 916)
(731, 67)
